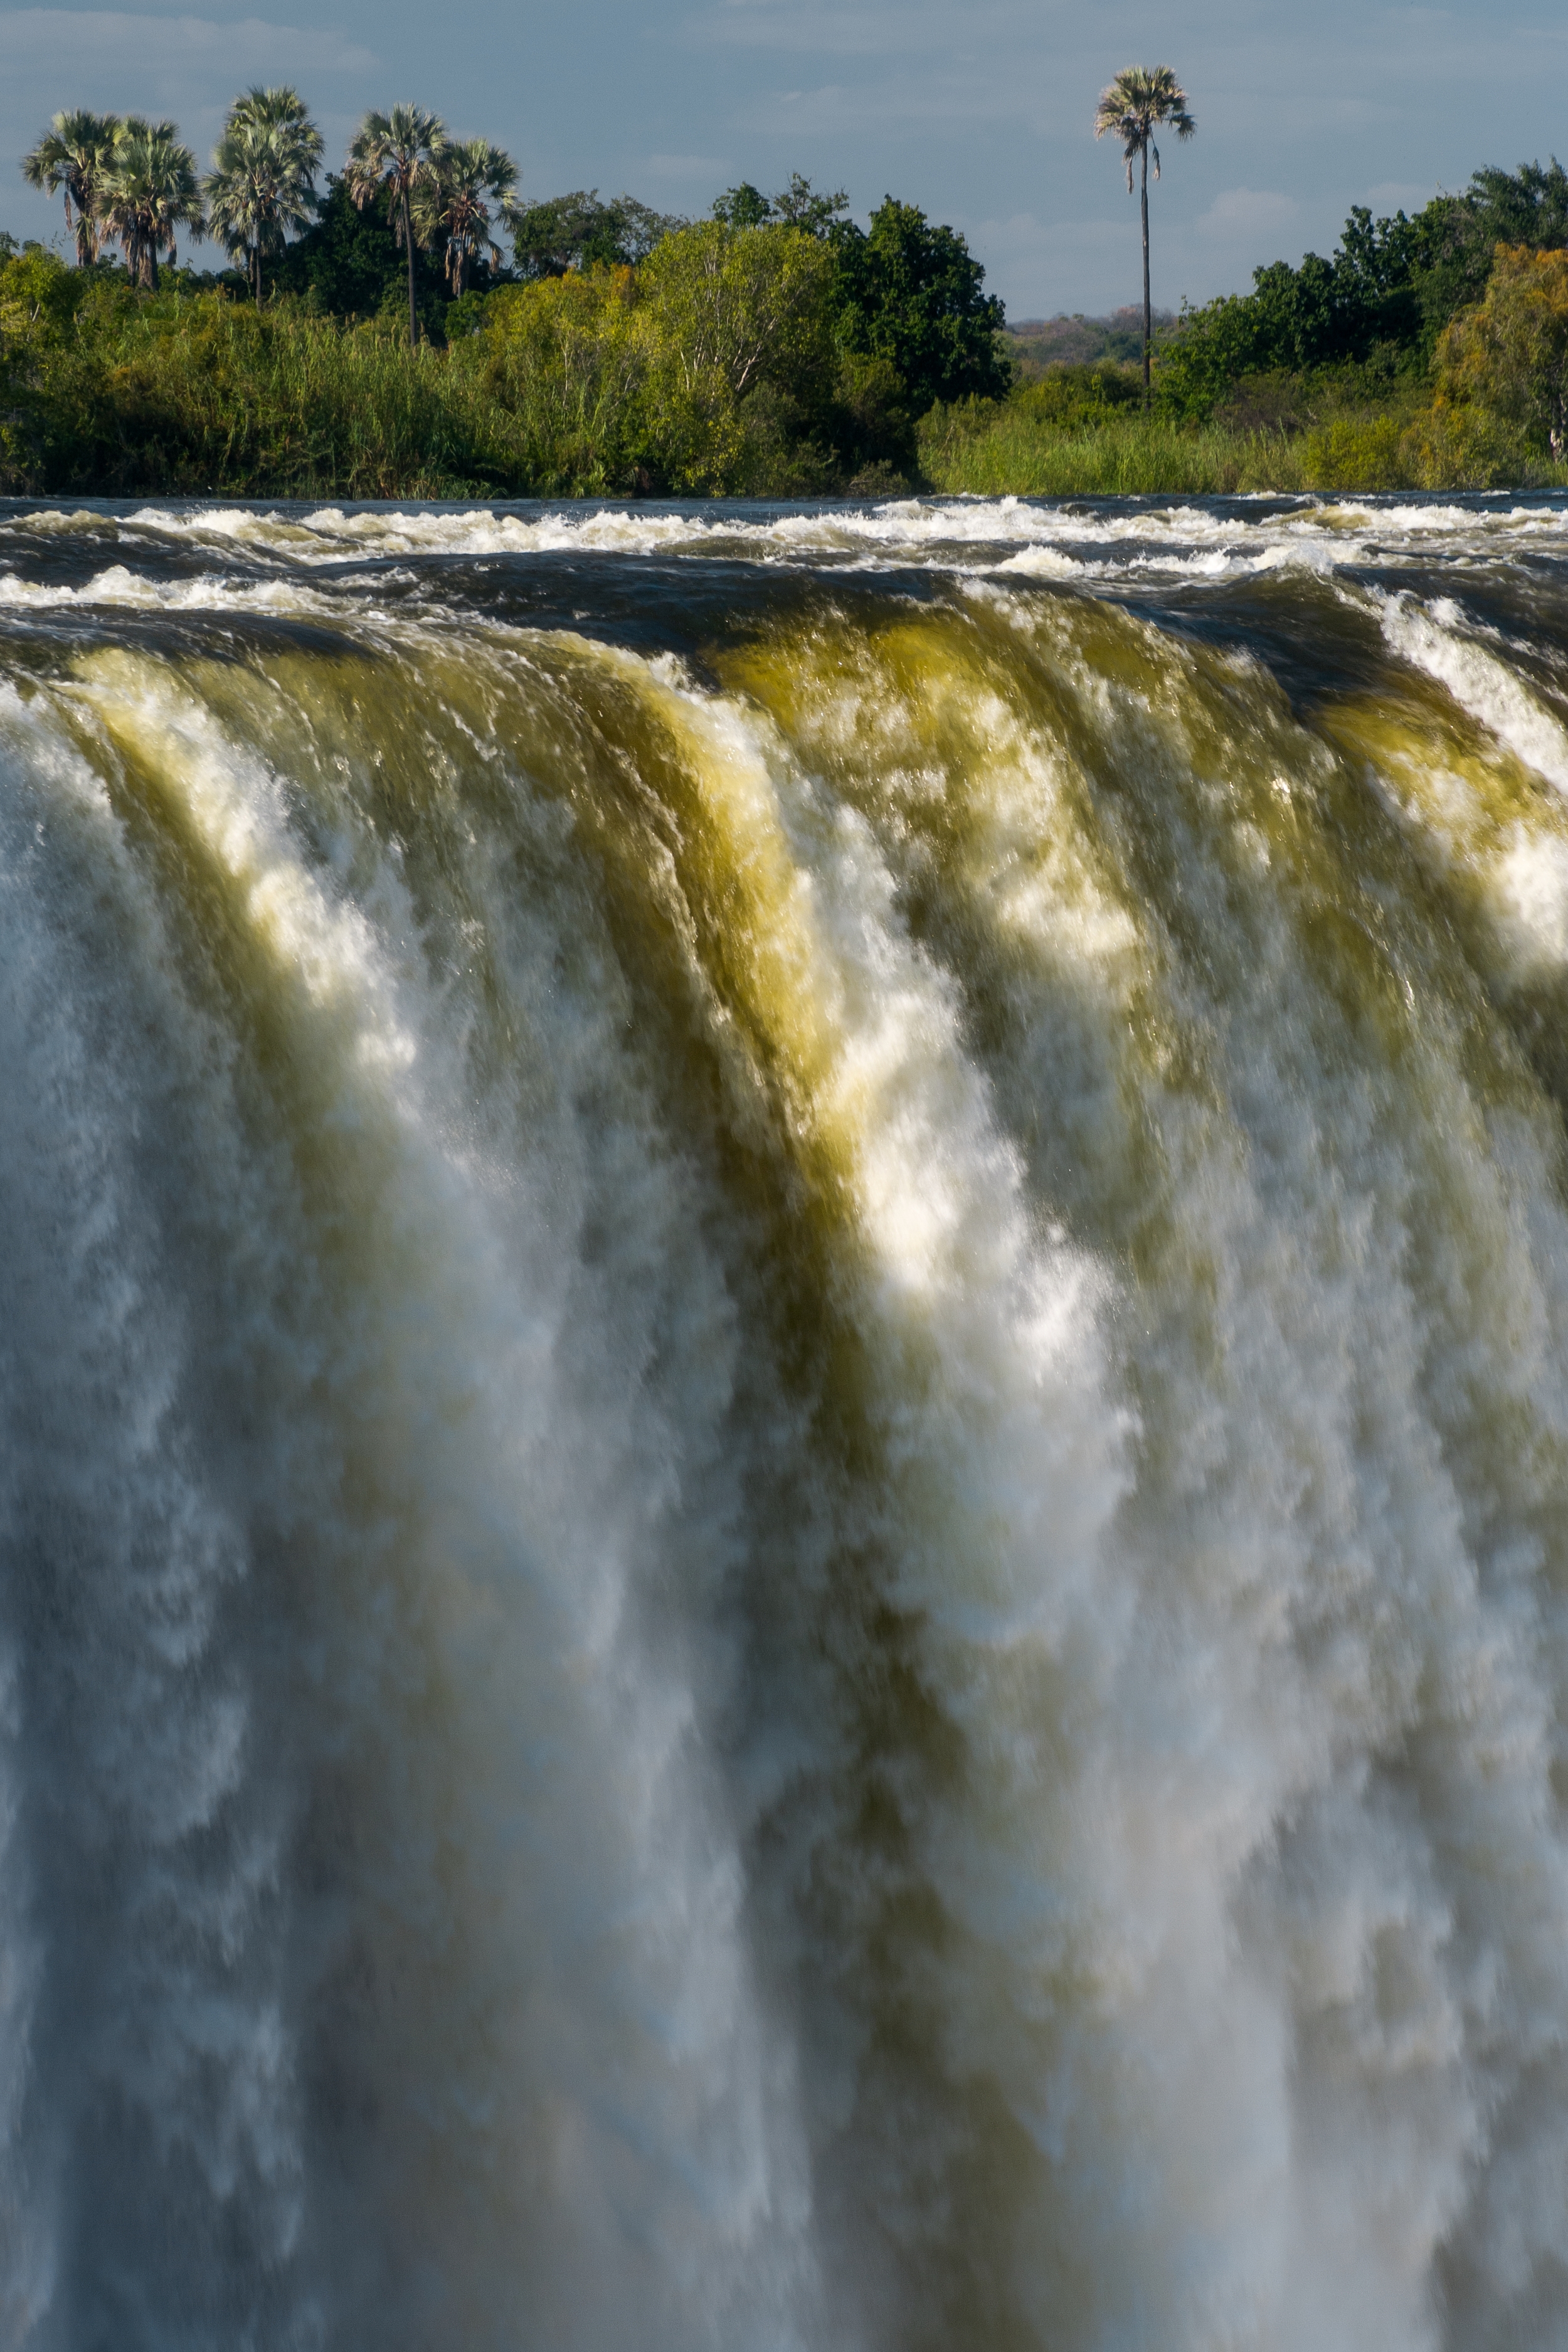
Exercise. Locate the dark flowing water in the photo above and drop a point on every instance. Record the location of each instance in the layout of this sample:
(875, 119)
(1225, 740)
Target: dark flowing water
(784, 1373)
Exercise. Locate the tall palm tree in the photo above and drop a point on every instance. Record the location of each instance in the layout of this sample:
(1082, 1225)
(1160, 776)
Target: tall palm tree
(1137, 104)
(148, 188)
(397, 153)
(262, 182)
(71, 155)
(451, 204)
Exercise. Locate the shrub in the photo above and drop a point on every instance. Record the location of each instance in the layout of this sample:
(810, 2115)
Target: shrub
(1356, 453)
(1464, 447)
(1510, 354)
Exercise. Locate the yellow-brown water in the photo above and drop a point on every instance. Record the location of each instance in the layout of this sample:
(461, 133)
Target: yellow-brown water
(783, 1366)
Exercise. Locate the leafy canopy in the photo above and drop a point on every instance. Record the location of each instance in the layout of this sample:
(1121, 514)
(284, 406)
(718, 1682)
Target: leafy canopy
(910, 293)
(1510, 354)
(741, 303)
(800, 206)
(392, 155)
(262, 184)
(579, 232)
(453, 204)
(1383, 297)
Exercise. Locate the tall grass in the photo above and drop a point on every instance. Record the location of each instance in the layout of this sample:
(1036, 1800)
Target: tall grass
(575, 394)
(207, 395)
(1010, 452)
(996, 448)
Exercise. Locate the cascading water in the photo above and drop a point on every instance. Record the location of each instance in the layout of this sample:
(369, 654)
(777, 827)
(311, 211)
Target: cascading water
(783, 1378)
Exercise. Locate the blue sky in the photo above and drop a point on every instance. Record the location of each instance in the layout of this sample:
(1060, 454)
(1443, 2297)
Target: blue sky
(980, 113)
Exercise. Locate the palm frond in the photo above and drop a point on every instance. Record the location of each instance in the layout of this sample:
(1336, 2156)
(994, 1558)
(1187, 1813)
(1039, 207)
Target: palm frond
(454, 202)
(1140, 100)
(148, 189)
(70, 159)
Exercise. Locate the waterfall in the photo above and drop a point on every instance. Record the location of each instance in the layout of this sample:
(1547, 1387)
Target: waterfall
(783, 1428)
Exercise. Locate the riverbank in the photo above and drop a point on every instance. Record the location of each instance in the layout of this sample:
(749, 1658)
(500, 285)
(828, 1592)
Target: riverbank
(1001, 448)
(587, 386)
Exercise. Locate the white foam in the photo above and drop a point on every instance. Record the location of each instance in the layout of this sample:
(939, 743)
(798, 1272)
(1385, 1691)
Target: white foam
(1197, 542)
(819, 1457)
(1438, 640)
(1265, 2064)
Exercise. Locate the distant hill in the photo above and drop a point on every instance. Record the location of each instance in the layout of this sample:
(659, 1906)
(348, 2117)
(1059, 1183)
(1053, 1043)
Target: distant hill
(1075, 342)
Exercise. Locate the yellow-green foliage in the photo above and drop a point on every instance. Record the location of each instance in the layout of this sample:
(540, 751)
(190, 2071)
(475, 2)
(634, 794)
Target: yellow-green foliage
(996, 447)
(1496, 415)
(108, 390)
(1508, 356)
(739, 304)
(708, 370)
(617, 378)
(1080, 398)
(1356, 453)
(670, 377)
(568, 362)
(1459, 445)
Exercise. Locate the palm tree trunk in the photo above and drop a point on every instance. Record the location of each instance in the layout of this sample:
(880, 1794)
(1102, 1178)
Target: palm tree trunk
(408, 249)
(1148, 315)
(259, 276)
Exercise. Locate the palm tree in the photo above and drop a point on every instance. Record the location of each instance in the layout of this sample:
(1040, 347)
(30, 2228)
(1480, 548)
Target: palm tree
(451, 204)
(396, 153)
(71, 155)
(1136, 105)
(147, 189)
(262, 182)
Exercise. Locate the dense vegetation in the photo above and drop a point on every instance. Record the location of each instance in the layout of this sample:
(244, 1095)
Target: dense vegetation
(1422, 353)
(387, 348)
(375, 337)
(757, 358)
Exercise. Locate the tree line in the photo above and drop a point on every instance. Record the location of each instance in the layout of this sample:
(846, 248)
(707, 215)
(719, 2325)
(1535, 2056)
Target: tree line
(131, 183)
(1379, 305)
(775, 346)
(776, 343)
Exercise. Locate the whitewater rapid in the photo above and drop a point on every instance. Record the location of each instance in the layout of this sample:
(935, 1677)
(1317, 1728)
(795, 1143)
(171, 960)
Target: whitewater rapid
(783, 1428)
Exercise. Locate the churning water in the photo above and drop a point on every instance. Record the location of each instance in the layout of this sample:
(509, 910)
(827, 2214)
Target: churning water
(783, 1429)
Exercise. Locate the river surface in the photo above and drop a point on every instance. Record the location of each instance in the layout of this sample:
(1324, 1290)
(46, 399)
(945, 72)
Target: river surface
(783, 1428)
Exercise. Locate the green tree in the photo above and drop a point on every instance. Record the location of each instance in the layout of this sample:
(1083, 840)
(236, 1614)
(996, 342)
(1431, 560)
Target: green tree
(394, 156)
(1140, 101)
(452, 205)
(568, 358)
(72, 156)
(744, 206)
(263, 179)
(741, 303)
(1510, 354)
(800, 206)
(346, 263)
(147, 190)
(911, 294)
(1460, 233)
(581, 232)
